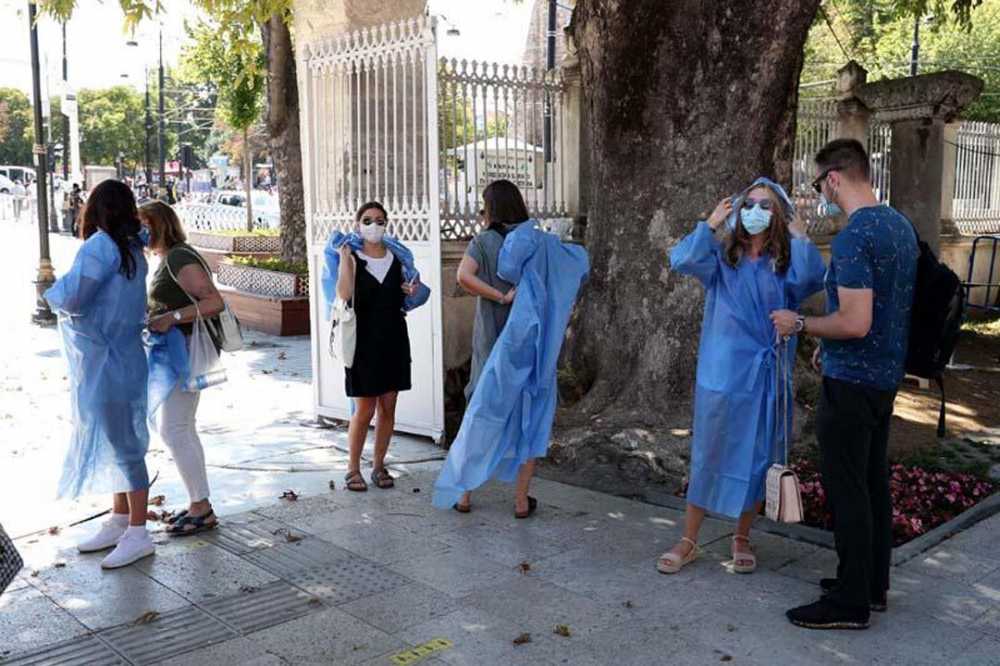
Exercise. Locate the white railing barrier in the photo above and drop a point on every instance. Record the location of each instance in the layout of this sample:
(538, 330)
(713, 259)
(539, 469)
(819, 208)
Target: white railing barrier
(976, 203)
(214, 217)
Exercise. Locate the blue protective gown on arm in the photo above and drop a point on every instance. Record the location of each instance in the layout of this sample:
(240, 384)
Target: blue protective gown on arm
(509, 419)
(734, 439)
(167, 356)
(101, 319)
(331, 266)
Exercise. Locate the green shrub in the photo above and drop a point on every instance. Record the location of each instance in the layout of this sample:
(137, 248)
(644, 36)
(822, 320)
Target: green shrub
(233, 233)
(271, 264)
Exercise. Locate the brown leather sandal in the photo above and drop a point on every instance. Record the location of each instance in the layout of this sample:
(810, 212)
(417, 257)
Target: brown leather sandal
(356, 482)
(382, 479)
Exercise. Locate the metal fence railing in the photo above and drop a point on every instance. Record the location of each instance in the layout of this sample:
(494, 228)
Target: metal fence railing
(976, 202)
(213, 217)
(817, 125)
(492, 124)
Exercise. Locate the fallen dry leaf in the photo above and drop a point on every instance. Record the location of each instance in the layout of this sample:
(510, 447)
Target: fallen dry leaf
(291, 538)
(522, 639)
(282, 357)
(147, 617)
(248, 589)
(59, 565)
(267, 372)
(34, 574)
(315, 602)
(726, 657)
(525, 567)
(627, 604)
(158, 500)
(730, 627)
(333, 486)
(55, 530)
(289, 495)
(561, 630)
(416, 490)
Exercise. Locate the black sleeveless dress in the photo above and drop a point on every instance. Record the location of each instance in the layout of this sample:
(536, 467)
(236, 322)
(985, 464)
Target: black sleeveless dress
(382, 355)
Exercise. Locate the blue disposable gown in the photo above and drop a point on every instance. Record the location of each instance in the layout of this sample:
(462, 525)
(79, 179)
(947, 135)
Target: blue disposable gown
(101, 319)
(167, 355)
(509, 419)
(734, 439)
(331, 266)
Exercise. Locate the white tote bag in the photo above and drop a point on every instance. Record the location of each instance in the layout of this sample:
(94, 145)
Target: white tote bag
(226, 325)
(343, 333)
(203, 361)
(783, 498)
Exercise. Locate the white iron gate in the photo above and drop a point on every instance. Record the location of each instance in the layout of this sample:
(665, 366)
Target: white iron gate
(369, 127)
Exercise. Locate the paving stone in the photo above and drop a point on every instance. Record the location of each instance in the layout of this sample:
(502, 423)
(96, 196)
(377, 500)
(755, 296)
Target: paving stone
(101, 599)
(988, 623)
(949, 563)
(943, 600)
(258, 608)
(29, 620)
(171, 633)
(455, 574)
(979, 539)
(772, 551)
(244, 535)
(204, 573)
(329, 637)
(507, 546)
(643, 642)
(811, 567)
(400, 607)
(984, 651)
(286, 511)
(479, 639)
(84, 651)
(382, 543)
(235, 652)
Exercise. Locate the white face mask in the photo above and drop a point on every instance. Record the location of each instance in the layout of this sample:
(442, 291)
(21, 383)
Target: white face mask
(372, 233)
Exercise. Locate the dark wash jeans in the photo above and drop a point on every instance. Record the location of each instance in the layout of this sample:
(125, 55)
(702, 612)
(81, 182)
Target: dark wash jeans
(852, 427)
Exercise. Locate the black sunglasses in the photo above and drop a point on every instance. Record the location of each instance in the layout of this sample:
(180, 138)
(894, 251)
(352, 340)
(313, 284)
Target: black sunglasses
(818, 181)
(380, 221)
(765, 204)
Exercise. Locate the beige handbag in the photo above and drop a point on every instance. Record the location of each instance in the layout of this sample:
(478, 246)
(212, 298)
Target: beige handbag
(784, 500)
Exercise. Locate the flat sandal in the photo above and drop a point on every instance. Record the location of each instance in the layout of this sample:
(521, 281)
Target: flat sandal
(745, 557)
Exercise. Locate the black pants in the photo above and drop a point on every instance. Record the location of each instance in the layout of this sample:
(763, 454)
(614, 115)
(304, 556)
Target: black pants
(852, 427)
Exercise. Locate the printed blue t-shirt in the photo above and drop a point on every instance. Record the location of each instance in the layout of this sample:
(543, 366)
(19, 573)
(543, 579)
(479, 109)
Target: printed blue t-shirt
(876, 250)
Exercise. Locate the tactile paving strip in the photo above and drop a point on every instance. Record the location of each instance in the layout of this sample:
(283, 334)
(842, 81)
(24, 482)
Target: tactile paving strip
(243, 538)
(172, 633)
(269, 606)
(323, 570)
(86, 651)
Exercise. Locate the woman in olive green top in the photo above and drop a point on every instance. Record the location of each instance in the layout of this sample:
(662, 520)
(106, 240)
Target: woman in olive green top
(181, 281)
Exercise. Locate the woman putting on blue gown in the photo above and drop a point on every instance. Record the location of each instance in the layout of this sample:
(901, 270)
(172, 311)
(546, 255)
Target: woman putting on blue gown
(755, 269)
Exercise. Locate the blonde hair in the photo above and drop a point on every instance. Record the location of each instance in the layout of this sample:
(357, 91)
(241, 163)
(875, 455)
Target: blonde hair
(165, 228)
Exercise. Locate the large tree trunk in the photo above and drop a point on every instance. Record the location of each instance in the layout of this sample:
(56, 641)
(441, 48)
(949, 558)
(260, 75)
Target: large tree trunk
(248, 176)
(283, 130)
(688, 102)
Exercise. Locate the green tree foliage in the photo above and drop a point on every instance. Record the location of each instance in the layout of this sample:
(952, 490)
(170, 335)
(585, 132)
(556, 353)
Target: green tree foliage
(111, 123)
(16, 130)
(879, 33)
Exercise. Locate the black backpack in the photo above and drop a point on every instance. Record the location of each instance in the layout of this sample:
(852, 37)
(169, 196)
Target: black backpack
(935, 321)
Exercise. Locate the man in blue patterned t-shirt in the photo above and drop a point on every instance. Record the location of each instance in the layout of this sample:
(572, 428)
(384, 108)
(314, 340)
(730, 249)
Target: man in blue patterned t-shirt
(869, 294)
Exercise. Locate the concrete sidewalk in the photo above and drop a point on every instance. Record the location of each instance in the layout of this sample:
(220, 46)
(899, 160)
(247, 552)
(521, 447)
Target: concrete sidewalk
(382, 578)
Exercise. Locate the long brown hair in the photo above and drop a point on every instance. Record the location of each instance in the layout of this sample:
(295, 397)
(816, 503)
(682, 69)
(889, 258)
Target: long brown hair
(777, 241)
(111, 208)
(165, 228)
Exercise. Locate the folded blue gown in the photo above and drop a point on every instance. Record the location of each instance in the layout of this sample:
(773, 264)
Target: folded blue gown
(734, 439)
(509, 419)
(101, 319)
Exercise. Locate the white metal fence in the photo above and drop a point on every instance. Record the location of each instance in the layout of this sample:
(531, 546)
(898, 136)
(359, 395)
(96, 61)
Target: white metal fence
(214, 217)
(976, 203)
(369, 132)
(817, 125)
(492, 124)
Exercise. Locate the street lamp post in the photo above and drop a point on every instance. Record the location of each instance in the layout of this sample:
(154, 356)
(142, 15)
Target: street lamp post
(43, 315)
(162, 149)
(65, 117)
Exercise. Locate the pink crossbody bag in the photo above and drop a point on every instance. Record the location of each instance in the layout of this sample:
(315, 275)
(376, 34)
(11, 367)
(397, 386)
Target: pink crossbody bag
(784, 500)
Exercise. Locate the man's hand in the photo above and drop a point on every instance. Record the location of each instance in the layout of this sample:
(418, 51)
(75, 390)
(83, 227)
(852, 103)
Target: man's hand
(784, 321)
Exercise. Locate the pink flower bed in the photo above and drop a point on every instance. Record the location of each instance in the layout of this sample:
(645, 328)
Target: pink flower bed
(921, 499)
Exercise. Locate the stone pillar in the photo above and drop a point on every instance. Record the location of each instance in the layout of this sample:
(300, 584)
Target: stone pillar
(919, 107)
(948, 227)
(576, 145)
(852, 114)
(316, 19)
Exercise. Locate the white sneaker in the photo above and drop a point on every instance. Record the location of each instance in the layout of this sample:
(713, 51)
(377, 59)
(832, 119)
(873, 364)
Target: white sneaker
(134, 545)
(111, 531)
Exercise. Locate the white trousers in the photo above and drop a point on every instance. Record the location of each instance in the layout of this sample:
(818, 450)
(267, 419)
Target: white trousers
(177, 430)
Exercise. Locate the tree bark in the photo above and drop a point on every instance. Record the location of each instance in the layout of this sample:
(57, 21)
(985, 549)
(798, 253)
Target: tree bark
(688, 102)
(283, 130)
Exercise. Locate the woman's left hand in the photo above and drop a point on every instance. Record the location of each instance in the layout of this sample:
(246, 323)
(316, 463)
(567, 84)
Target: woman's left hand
(410, 288)
(161, 323)
(784, 321)
(797, 228)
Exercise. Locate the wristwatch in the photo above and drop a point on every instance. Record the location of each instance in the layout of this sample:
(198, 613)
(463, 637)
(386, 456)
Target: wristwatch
(800, 324)
(177, 316)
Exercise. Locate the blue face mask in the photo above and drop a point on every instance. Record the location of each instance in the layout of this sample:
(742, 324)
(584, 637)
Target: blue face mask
(756, 220)
(829, 208)
(145, 235)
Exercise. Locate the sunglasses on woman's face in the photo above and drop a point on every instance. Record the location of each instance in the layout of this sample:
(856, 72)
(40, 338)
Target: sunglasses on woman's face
(765, 204)
(380, 221)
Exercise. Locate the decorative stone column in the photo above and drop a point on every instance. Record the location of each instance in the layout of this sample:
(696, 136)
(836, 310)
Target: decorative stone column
(576, 147)
(918, 108)
(852, 114)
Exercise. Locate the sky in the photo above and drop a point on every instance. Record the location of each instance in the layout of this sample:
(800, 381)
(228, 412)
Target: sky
(492, 30)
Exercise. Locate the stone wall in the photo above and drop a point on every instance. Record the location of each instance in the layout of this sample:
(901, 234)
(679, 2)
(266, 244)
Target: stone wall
(315, 19)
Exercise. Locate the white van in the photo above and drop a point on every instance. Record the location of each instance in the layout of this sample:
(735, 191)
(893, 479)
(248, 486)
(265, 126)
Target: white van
(23, 174)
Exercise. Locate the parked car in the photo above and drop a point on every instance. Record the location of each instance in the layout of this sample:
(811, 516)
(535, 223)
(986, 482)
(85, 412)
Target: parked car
(6, 185)
(23, 174)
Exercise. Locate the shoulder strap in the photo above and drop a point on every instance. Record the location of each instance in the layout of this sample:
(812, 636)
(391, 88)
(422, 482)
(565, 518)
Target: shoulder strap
(166, 261)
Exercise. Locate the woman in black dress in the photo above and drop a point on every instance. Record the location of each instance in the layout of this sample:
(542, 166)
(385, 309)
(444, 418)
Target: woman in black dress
(371, 280)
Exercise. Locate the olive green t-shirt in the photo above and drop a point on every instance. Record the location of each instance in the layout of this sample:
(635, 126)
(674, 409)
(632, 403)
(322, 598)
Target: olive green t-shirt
(165, 295)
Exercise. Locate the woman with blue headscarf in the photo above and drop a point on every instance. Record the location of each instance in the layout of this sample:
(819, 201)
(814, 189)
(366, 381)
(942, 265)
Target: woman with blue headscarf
(763, 260)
